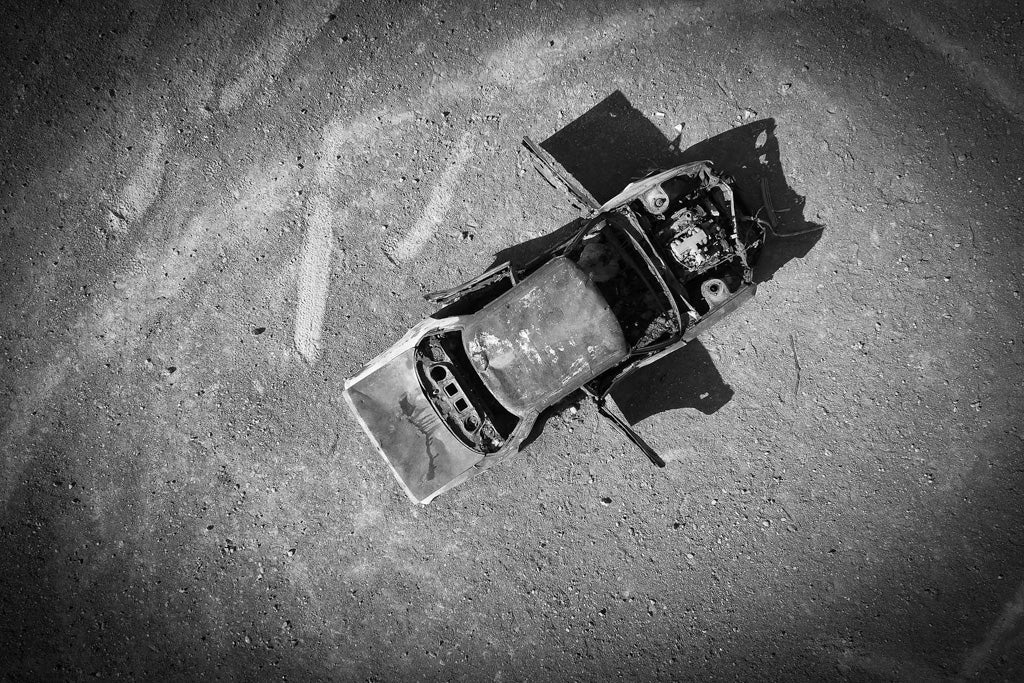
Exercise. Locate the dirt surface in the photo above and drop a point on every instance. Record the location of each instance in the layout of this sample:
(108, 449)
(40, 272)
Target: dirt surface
(212, 214)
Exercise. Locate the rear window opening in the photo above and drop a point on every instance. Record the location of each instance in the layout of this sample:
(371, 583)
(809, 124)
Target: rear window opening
(459, 396)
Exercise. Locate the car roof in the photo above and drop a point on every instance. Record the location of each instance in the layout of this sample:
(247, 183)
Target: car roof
(544, 338)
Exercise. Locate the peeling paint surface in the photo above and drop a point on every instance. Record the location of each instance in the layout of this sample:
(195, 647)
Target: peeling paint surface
(548, 335)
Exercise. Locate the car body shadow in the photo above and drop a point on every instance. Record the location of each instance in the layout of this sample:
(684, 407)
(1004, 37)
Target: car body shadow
(686, 378)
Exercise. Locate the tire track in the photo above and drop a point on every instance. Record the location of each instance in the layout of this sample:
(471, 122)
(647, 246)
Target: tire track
(314, 277)
(934, 38)
(1008, 621)
(142, 187)
(270, 57)
(437, 207)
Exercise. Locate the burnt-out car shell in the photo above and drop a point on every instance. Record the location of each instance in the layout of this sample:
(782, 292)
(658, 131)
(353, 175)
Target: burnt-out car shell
(645, 273)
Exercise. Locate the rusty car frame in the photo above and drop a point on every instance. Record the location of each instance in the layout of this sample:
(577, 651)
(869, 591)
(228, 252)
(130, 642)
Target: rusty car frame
(644, 274)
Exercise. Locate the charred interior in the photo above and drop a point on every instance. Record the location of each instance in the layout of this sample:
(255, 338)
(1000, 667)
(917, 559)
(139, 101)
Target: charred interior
(627, 284)
(458, 395)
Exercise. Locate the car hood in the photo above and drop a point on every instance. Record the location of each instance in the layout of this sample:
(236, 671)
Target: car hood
(544, 338)
(389, 404)
(638, 187)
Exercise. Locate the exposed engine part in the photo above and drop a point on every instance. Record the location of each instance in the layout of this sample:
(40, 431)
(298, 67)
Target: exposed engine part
(694, 240)
(689, 248)
(714, 291)
(655, 200)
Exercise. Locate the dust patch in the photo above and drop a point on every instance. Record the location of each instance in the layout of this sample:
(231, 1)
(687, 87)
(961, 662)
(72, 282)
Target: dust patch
(315, 268)
(340, 135)
(437, 207)
(142, 188)
(528, 61)
(932, 36)
(336, 136)
(524, 62)
(151, 282)
(314, 278)
(269, 56)
(22, 410)
(141, 18)
(159, 275)
(1009, 620)
(891, 668)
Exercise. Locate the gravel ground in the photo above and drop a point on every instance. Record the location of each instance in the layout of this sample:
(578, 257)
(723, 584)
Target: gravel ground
(211, 214)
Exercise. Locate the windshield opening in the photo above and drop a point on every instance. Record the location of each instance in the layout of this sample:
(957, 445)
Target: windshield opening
(459, 397)
(637, 299)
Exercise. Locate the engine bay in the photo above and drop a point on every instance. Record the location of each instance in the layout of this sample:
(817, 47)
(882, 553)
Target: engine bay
(694, 223)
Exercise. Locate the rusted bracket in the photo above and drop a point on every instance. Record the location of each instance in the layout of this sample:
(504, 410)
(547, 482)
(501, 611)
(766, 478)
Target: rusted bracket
(557, 176)
(628, 431)
(447, 296)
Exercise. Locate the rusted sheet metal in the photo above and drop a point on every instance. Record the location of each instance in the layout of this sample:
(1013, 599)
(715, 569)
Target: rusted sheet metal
(720, 311)
(544, 338)
(639, 187)
(392, 409)
(556, 174)
(494, 275)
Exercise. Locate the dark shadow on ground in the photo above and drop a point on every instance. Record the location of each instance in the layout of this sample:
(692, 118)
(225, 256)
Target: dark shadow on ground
(750, 154)
(614, 144)
(686, 378)
(611, 145)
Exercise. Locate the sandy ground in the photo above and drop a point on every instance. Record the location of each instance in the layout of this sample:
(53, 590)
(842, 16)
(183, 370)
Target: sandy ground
(213, 214)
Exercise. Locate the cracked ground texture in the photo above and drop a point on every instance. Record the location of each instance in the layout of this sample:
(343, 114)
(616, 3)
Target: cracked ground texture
(211, 214)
